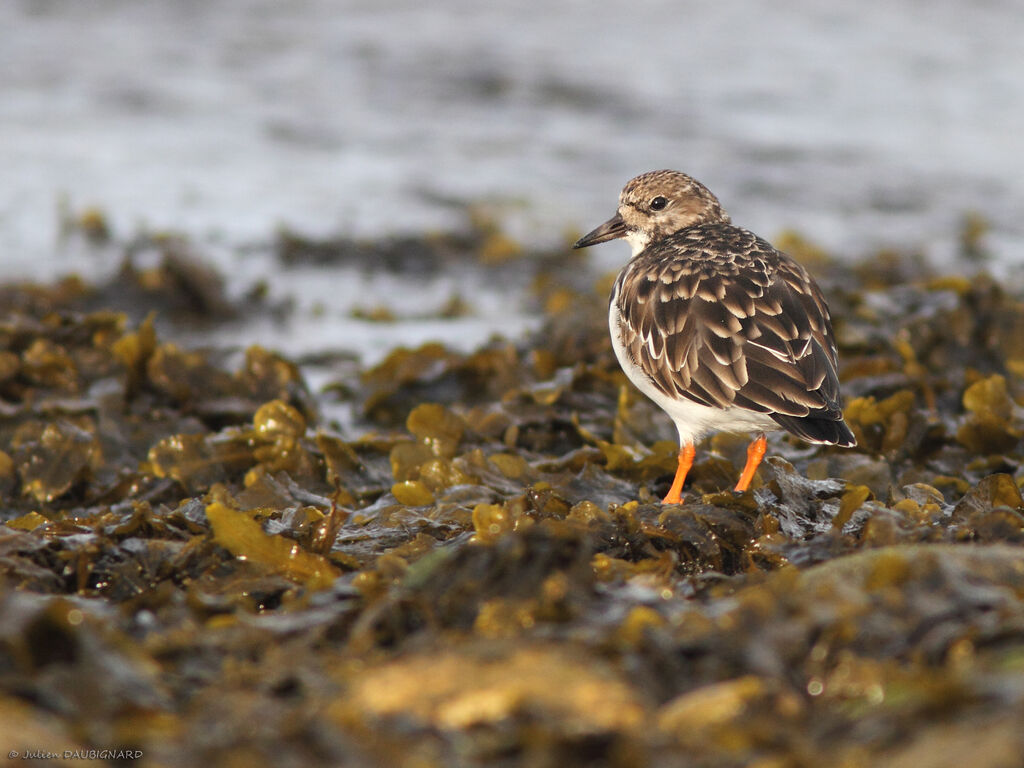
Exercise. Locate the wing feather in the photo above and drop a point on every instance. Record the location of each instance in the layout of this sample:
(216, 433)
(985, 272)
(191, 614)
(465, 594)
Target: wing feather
(716, 315)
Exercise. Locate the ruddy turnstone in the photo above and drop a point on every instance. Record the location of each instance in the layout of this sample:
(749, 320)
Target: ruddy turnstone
(723, 332)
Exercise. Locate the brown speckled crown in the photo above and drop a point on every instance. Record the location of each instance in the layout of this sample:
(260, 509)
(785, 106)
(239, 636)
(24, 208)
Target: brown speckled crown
(688, 202)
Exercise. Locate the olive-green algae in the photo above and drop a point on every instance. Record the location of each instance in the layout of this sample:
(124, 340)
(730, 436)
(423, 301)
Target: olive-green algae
(484, 575)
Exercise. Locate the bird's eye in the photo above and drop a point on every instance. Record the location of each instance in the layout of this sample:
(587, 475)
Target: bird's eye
(658, 203)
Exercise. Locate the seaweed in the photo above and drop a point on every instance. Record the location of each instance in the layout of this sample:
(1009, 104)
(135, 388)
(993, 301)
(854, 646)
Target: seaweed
(199, 569)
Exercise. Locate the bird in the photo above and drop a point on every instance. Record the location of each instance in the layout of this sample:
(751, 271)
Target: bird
(721, 330)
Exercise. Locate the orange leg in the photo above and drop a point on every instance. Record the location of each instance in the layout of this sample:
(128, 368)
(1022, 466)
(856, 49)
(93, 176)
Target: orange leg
(686, 454)
(755, 452)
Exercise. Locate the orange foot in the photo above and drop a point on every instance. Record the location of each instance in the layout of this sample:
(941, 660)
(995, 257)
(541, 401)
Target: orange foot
(686, 454)
(755, 452)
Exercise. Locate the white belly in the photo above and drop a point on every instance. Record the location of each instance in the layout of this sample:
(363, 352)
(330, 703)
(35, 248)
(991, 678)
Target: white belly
(693, 420)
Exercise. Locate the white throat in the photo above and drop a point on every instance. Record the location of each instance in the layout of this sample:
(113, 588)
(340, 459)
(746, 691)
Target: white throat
(637, 240)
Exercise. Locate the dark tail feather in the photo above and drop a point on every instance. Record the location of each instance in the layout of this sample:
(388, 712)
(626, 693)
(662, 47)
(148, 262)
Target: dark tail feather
(817, 429)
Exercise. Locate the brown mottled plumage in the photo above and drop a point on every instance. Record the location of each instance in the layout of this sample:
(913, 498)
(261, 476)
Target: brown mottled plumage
(721, 330)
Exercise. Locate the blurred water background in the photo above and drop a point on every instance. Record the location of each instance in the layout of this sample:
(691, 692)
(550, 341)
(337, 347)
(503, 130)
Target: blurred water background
(861, 125)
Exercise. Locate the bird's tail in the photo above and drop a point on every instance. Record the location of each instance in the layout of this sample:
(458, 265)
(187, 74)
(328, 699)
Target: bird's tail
(818, 429)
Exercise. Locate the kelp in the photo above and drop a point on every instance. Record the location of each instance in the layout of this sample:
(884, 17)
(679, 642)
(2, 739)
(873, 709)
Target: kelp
(477, 570)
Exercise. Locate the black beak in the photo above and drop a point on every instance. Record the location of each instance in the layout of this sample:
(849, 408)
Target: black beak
(611, 229)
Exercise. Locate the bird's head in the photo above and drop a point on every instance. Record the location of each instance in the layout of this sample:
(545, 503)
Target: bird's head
(655, 205)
